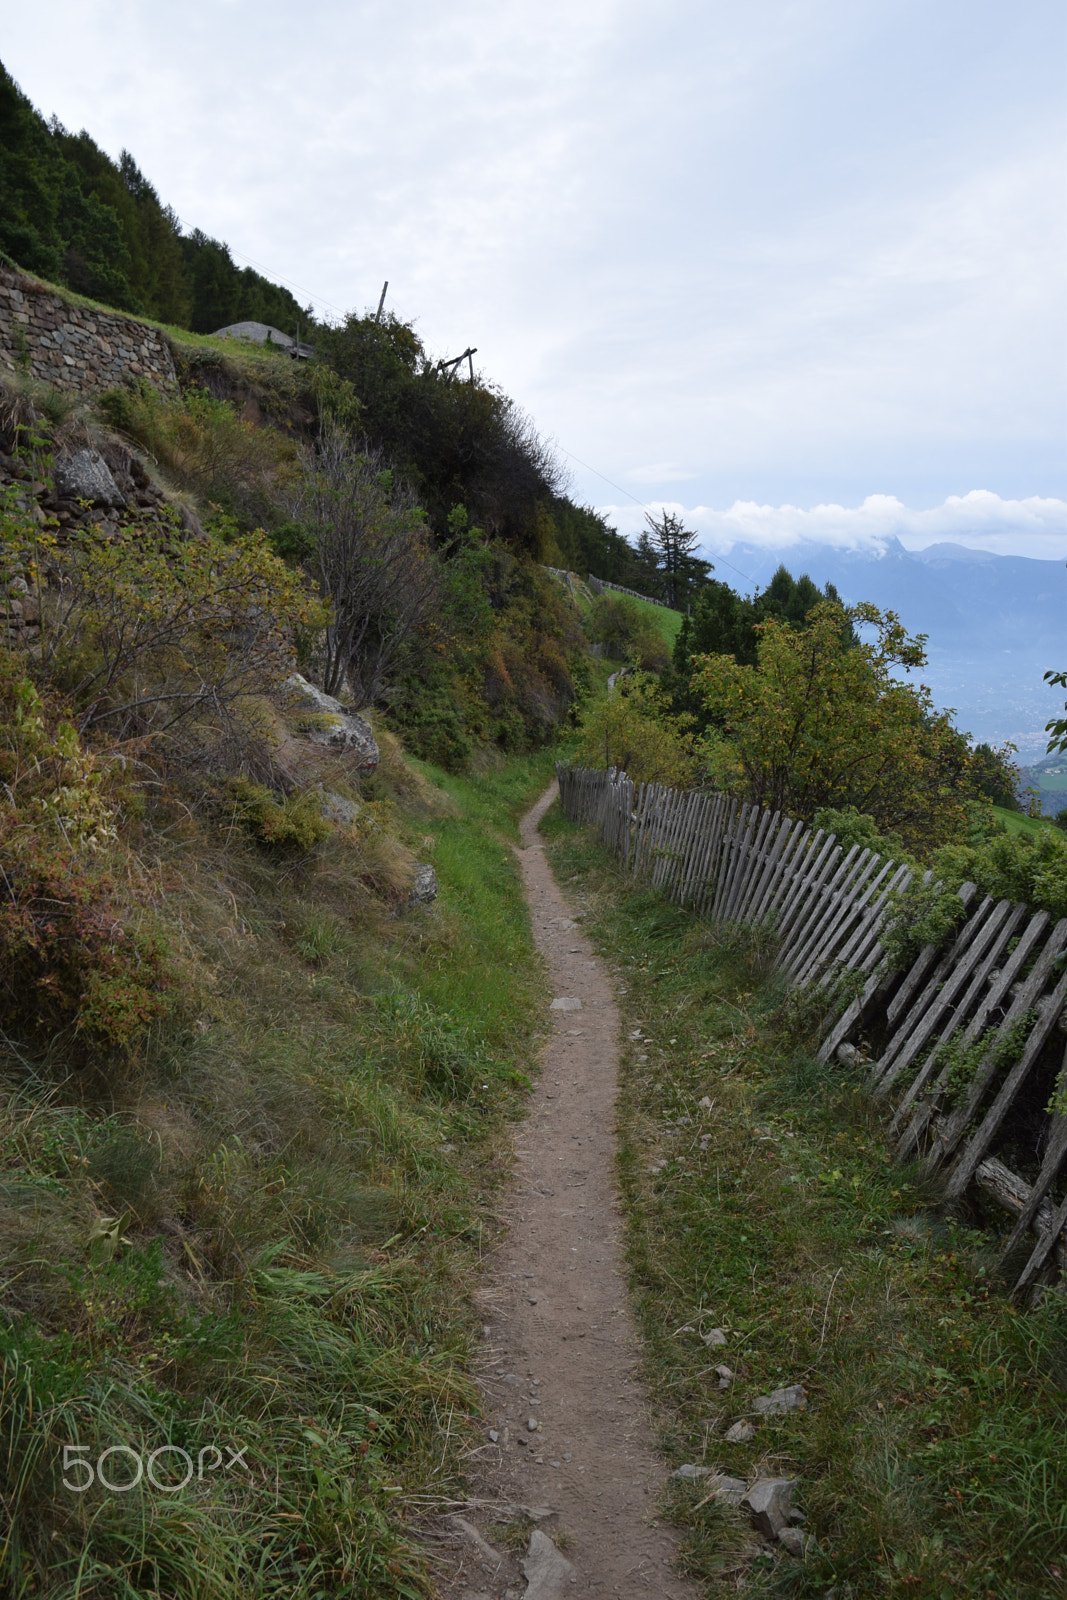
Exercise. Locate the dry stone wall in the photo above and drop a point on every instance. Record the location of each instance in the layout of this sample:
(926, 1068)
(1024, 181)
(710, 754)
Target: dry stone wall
(74, 348)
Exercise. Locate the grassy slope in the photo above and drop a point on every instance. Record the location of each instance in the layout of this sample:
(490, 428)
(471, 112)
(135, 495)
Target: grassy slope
(305, 1169)
(930, 1456)
(668, 622)
(1016, 822)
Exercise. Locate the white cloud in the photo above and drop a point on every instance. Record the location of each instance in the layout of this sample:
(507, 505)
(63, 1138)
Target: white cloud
(787, 250)
(1035, 526)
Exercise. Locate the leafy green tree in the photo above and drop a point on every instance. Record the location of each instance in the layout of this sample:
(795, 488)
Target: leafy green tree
(1057, 728)
(820, 722)
(723, 622)
(31, 176)
(627, 632)
(996, 776)
(454, 442)
(635, 730)
(71, 214)
(588, 544)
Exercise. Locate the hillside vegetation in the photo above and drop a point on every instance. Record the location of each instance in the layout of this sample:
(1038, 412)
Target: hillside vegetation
(254, 1087)
(301, 658)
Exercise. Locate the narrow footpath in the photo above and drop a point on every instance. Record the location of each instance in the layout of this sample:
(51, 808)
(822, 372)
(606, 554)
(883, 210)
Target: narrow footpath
(566, 1429)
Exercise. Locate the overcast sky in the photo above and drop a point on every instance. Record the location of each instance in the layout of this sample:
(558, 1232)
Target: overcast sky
(794, 266)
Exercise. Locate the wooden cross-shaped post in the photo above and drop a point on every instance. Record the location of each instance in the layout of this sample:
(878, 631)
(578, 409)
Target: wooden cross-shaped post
(467, 356)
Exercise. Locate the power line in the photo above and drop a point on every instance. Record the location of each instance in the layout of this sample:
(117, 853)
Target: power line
(272, 277)
(277, 277)
(647, 508)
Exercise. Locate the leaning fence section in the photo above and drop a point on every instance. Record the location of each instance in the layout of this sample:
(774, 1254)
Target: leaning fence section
(968, 1037)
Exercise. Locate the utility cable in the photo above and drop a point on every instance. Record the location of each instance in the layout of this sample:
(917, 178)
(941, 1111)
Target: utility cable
(289, 284)
(647, 508)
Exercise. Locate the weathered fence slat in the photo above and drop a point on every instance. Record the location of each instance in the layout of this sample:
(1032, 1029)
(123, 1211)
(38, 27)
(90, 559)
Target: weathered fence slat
(958, 1024)
(736, 862)
(1042, 1250)
(922, 963)
(840, 904)
(963, 1168)
(768, 856)
(930, 1007)
(1054, 1156)
(1029, 992)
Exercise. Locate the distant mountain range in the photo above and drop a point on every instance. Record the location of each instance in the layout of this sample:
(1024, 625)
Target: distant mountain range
(994, 623)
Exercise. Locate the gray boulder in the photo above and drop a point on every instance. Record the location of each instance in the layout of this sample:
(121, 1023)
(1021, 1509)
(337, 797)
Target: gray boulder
(85, 475)
(548, 1574)
(332, 725)
(424, 888)
(795, 1542)
(335, 808)
(723, 1487)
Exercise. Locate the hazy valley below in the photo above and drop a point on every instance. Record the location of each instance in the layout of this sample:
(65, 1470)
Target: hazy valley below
(995, 623)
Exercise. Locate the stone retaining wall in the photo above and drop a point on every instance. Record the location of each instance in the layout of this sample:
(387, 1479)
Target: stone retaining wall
(73, 348)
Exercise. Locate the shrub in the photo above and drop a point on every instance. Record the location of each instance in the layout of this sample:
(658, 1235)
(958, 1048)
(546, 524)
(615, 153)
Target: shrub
(204, 443)
(854, 827)
(151, 636)
(634, 730)
(70, 963)
(1016, 866)
(368, 546)
(925, 913)
(627, 632)
(293, 823)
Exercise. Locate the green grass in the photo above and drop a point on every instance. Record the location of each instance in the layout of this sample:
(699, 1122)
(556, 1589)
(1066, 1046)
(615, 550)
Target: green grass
(263, 1235)
(669, 623)
(1016, 822)
(930, 1457)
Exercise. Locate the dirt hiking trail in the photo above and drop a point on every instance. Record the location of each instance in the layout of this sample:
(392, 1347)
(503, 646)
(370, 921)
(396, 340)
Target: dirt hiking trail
(561, 1350)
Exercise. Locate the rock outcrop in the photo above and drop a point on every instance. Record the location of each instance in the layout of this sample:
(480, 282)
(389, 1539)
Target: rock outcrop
(328, 723)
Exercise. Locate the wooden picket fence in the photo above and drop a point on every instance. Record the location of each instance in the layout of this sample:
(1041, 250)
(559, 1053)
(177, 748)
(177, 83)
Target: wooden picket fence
(995, 988)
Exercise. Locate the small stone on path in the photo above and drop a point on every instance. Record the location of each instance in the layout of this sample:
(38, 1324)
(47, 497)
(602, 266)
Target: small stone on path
(565, 1002)
(548, 1573)
(791, 1398)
